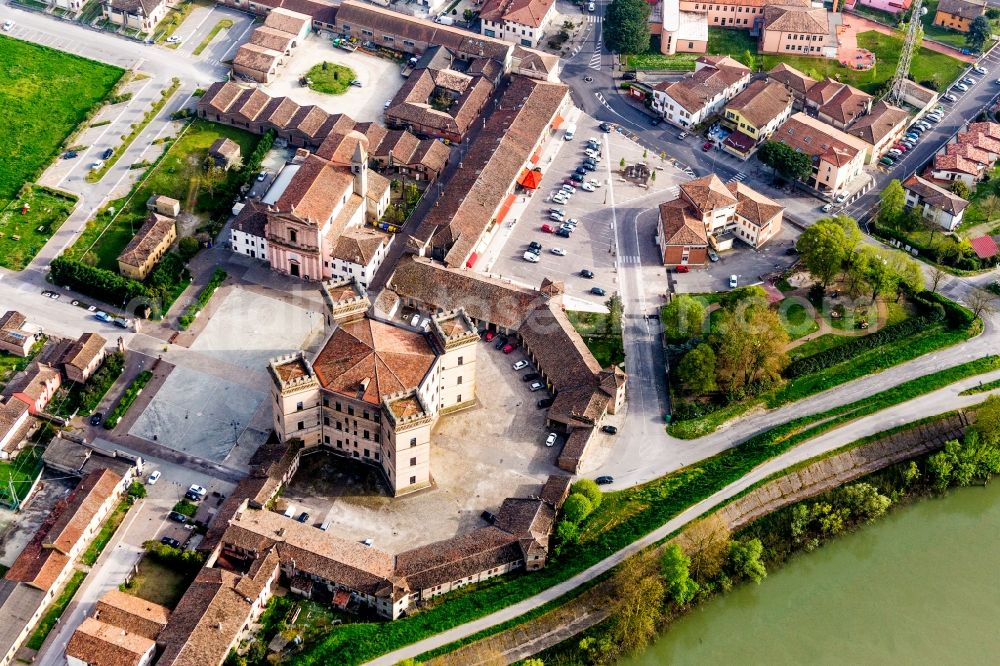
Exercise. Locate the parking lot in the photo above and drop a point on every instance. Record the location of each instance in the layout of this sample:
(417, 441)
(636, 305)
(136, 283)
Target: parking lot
(747, 264)
(479, 457)
(592, 245)
(380, 79)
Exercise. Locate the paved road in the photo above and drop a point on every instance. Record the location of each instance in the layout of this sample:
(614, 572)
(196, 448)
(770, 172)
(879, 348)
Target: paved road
(937, 402)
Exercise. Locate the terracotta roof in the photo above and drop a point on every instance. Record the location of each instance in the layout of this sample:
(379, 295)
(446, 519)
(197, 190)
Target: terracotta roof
(815, 138)
(256, 58)
(287, 21)
(412, 103)
(984, 246)
(147, 240)
(98, 644)
(791, 77)
(761, 102)
(315, 192)
(796, 19)
(708, 193)
(935, 195)
(679, 226)
(839, 101)
(360, 15)
(131, 613)
(279, 111)
(559, 350)
(956, 163)
(136, 7)
(456, 558)
(991, 130)
(883, 120)
(359, 246)
(82, 352)
(555, 489)
(368, 360)
(270, 38)
(964, 8)
(35, 381)
(715, 75)
(981, 141)
(220, 96)
(574, 448)
(969, 152)
(753, 206)
(536, 61)
(529, 13)
(250, 104)
(252, 219)
(494, 161)
(85, 501)
(308, 121)
(12, 410)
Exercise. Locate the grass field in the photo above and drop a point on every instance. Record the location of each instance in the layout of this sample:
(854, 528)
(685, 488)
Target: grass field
(720, 42)
(607, 349)
(326, 77)
(22, 236)
(158, 583)
(20, 472)
(224, 24)
(44, 95)
(179, 174)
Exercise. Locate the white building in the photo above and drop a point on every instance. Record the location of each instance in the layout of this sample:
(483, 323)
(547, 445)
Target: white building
(716, 80)
(519, 21)
(934, 202)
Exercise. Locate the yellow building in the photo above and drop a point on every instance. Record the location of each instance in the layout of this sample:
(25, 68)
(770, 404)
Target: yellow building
(754, 115)
(958, 14)
(148, 246)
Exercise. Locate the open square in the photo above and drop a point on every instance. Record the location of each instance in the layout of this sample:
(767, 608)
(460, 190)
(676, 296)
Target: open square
(479, 457)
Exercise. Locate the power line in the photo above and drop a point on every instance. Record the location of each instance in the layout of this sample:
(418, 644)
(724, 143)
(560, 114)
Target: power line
(896, 93)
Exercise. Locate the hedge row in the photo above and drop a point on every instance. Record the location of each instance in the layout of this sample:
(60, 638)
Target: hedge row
(186, 319)
(935, 305)
(849, 350)
(131, 393)
(99, 283)
(953, 258)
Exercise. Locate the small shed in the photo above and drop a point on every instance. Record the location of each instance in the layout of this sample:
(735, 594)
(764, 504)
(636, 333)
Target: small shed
(164, 205)
(225, 152)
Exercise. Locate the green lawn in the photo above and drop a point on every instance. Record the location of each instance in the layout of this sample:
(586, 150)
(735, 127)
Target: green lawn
(55, 611)
(330, 78)
(20, 472)
(107, 531)
(944, 35)
(44, 95)
(721, 41)
(224, 24)
(158, 583)
(796, 319)
(974, 214)
(179, 174)
(606, 348)
(22, 236)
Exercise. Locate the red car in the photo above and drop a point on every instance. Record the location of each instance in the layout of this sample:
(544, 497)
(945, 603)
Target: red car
(489, 336)
(508, 348)
(681, 269)
(547, 228)
(707, 146)
(901, 148)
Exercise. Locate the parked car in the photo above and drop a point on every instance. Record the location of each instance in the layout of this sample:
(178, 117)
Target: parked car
(558, 251)
(594, 183)
(592, 153)
(887, 161)
(103, 316)
(550, 440)
(170, 541)
(587, 187)
(530, 376)
(682, 269)
(969, 81)
(894, 152)
(979, 69)
(8, 26)
(177, 517)
(153, 478)
(548, 228)
(261, 176)
(530, 257)
(610, 429)
(605, 127)
(303, 517)
(488, 517)
(557, 217)
(520, 365)
(951, 98)
(173, 40)
(961, 87)
(561, 198)
(604, 480)
(544, 403)
(535, 246)
(557, 211)
(97, 165)
(107, 153)
(586, 166)
(713, 255)
(563, 233)
(508, 348)
(488, 336)
(567, 227)
(841, 198)
(597, 291)
(96, 418)
(733, 281)
(587, 273)
(569, 189)
(827, 207)
(501, 341)
(707, 146)
(194, 497)
(576, 177)
(580, 171)
(682, 136)
(69, 154)
(198, 490)
(535, 386)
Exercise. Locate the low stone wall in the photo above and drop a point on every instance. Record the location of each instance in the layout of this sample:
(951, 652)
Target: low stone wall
(837, 470)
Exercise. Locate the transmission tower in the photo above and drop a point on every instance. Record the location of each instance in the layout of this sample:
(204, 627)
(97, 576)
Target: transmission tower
(895, 94)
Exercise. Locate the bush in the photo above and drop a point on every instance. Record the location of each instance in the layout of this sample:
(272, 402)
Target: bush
(576, 508)
(185, 561)
(131, 393)
(186, 508)
(137, 490)
(956, 315)
(849, 350)
(187, 247)
(589, 489)
(96, 282)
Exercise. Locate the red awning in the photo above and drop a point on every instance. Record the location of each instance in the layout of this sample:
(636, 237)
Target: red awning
(530, 178)
(472, 260)
(505, 208)
(537, 155)
(557, 121)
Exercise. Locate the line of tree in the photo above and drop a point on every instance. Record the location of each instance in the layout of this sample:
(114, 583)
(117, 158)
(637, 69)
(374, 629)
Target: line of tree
(785, 160)
(99, 283)
(626, 26)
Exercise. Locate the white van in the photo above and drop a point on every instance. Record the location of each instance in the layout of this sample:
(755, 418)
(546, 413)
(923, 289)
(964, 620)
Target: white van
(290, 511)
(569, 132)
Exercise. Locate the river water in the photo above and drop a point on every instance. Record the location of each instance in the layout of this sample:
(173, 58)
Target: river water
(918, 587)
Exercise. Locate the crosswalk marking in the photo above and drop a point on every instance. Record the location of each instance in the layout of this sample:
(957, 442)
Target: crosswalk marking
(595, 61)
(593, 18)
(630, 259)
(738, 177)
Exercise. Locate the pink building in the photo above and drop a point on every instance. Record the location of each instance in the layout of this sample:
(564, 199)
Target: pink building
(890, 6)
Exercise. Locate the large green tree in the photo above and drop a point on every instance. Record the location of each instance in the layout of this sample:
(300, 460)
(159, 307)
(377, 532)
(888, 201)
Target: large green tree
(785, 160)
(746, 559)
(616, 308)
(750, 345)
(683, 318)
(675, 567)
(696, 370)
(892, 203)
(626, 26)
(576, 508)
(979, 32)
(823, 247)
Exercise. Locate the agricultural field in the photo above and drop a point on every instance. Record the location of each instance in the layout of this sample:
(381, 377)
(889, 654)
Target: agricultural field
(27, 223)
(44, 95)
